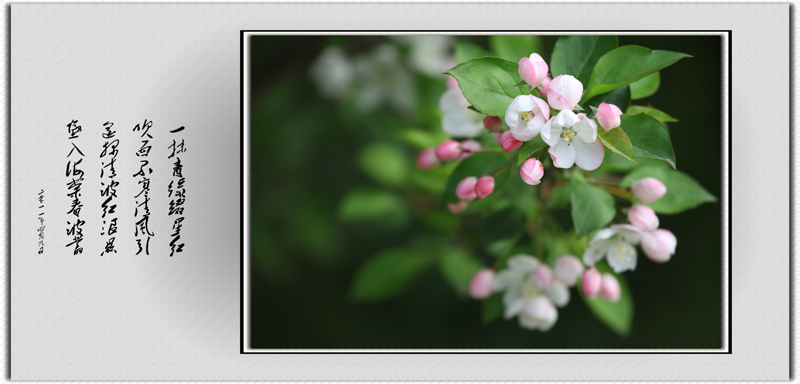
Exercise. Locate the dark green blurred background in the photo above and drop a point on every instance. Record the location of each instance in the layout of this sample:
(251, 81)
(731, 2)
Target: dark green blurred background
(305, 158)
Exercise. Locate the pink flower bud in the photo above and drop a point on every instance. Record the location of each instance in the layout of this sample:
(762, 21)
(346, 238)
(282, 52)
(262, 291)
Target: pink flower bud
(564, 92)
(465, 191)
(485, 186)
(457, 208)
(533, 70)
(471, 146)
(659, 245)
(493, 123)
(542, 310)
(591, 282)
(542, 276)
(508, 142)
(568, 268)
(608, 116)
(643, 217)
(427, 159)
(532, 171)
(648, 189)
(609, 288)
(480, 287)
(448, 150)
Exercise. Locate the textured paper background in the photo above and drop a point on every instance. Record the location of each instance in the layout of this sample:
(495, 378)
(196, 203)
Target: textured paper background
(146, 318)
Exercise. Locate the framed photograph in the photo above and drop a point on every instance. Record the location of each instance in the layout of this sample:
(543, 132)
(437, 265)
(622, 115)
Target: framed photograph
(430, 198)
(399, 192)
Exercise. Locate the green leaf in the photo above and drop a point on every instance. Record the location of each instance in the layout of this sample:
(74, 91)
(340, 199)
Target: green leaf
(387, 275)
(458, 268)
(649, 138)
(577, 55)
(384, 163)
(479, 164)
(373, 205)
(613, 163)
(492, 308)
(618, 315)
(468, 51)
(618, 142)
(621, 97)
(592, 207)
(502, 229)
(515, 47)
(655, 113)
(532, 147)
(625, 65)
(645, 87)
(683, 192)
(488, 83)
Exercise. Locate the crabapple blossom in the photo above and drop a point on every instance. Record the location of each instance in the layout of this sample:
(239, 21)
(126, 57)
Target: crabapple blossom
(523, 296)
(427, 159)
(643, 217)
(333, 72)
(508, 142)
(616, 245)
(567, 269)
(457, 208)
(609, 288)
(457, 119)
(608, 116)
(465, 191)
(531, 171)
(484, 187)
(526, 115)
(648, 189)
(493, 123)
(591, 282)
(573, 140)
(538, 313)
(448, 150)
(659, 245)
(533, 69)
(564, 92)
(480, 287)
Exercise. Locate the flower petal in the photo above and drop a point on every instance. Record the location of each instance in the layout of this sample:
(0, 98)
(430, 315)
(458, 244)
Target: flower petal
(563, 155)
(588, 156)
(558, 293)
(522, 262)
(621, 256)
(550, 134)
(596, 251)
(566, 119)
(586, 129)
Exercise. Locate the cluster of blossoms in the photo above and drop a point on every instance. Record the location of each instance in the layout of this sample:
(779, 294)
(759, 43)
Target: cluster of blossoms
(531, 289)
(616, 243)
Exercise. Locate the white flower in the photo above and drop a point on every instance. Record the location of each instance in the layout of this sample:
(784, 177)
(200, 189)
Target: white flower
(526, 115)
(616, 245)
(529, 299)
(383, 78)
(430, 54)
(564, 92)
(332, 72)
(457, 119)
(573, 140)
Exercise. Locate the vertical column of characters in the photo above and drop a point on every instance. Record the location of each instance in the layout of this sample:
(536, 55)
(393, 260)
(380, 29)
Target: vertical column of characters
(141, 214)
(40, 229)
(74, 183)
(176, 192)
(108, 187)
